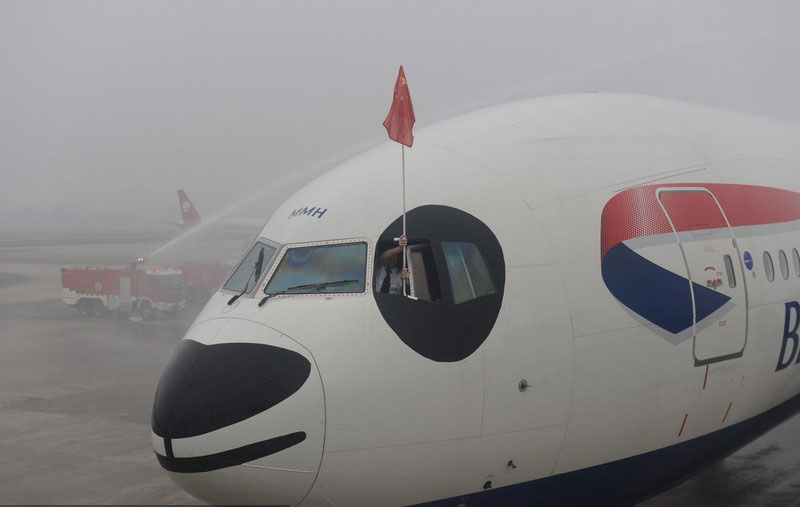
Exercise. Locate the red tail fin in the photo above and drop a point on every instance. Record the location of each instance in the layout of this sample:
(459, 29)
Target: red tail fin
(188, 211)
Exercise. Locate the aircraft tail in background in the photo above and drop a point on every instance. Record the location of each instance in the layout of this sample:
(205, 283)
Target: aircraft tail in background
(189, 213)
(190, 217)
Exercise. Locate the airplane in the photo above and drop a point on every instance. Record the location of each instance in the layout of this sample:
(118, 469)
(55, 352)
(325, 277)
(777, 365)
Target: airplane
(189, 214)
(604, 298)
(190, 218)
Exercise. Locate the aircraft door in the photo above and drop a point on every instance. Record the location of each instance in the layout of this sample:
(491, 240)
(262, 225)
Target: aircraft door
(714, 270)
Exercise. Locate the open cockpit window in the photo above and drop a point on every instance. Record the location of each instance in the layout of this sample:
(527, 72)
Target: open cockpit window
(469, 275)
(423, 282)
(332, 268)
(423, 276)
(388, 265)
(246, 275)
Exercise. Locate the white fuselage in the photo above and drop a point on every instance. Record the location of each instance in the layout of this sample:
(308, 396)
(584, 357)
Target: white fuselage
(569, 379)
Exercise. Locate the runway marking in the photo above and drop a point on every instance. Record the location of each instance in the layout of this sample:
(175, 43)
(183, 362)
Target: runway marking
(685, 416)
(705, 379)
(726, 412)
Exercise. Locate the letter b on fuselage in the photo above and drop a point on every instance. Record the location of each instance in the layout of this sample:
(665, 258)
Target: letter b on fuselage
(789, 334)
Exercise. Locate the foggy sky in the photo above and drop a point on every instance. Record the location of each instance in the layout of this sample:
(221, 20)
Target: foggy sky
(106, 108)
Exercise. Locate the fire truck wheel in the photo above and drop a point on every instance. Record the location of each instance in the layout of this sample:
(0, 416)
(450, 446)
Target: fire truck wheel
(85, 308)
(98, 310)
(146, 311)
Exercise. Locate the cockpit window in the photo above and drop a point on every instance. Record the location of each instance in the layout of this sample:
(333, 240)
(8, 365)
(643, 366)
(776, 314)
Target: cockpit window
(469, 275)
(321, 269)
(250, 269)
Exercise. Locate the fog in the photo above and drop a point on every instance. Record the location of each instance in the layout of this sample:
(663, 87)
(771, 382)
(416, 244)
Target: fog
(106, 108)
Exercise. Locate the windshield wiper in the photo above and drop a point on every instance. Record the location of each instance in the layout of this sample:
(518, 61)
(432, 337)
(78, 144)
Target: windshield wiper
(315, 286)
(322, 285)
(259, 262)
(253, 275)
(265, 298)
(236, 296)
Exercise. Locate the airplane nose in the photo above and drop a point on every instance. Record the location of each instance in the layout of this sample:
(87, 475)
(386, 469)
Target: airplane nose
(238, 415)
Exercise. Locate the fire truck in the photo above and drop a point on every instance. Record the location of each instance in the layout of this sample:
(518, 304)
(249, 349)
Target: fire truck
(96, 291)
(202, 281)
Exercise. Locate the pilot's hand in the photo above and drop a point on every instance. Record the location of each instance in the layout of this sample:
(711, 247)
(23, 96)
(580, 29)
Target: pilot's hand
(404, 273)
(403, 241)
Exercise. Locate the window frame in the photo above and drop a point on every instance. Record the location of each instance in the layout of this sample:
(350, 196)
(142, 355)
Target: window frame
(783, 263)
(769, 273)
(434, 262)
(727, 260)
(268, 242)
(368, 268)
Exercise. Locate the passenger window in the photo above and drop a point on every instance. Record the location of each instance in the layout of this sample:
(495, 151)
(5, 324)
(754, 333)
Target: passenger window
(796, 260)
(784, 264)
(769, 269)
(730, 272)
(469, 275)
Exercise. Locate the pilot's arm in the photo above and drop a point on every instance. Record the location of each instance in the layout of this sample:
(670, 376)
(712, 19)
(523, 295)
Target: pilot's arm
(394, 251)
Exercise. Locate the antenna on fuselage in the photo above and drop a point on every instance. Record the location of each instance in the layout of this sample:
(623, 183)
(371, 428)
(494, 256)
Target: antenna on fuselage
(399, 124)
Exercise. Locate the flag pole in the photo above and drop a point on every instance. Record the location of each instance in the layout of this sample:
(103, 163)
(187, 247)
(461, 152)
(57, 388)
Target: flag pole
(405, 265)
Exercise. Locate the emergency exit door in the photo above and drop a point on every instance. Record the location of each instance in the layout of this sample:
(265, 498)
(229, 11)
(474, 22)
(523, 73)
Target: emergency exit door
(715, 274)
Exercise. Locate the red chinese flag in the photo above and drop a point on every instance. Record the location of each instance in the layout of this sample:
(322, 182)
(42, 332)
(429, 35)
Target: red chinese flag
(400, 119)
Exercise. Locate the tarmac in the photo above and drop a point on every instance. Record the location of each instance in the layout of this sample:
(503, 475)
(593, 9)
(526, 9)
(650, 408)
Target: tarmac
(76, 396)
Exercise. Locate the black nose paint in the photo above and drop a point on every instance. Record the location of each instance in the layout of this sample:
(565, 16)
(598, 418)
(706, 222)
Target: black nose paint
(207, 387)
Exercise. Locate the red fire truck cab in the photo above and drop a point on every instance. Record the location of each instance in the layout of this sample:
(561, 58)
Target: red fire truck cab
(202, 281)
(95, 291)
